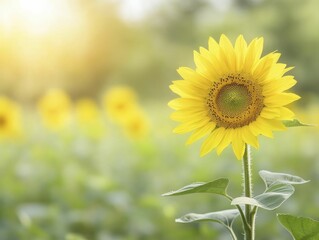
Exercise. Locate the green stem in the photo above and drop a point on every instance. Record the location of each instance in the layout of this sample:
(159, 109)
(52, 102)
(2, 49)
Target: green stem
(242, 215)
(243, 218)
(250, 216)
(233, 235)
(253, 220)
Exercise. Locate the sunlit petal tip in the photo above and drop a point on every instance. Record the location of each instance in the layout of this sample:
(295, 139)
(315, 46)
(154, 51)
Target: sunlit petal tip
(171, 86)
(240, 36)
(225, 42)
(180, 130)
(289, 68)
(201, 154)
(181, 70)
(202, 50)
(256, 146)
(223, 38)
(212, 44)
(172, 104)
(294, 96)
(239, 150)
(261, 40)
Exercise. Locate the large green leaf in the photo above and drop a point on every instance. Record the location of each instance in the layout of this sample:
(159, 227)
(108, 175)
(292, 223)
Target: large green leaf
(273, 178)
(269, 200)
(300, 228)
(225, 217)
(295, 123)
(218, 186)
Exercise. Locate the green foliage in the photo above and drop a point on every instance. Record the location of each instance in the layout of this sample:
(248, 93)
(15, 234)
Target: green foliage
(278, 189)
(295, 123)
(218, 186)
(301, 228)
(73, 237)
(271, 199)
(273, 178)
(225, 217)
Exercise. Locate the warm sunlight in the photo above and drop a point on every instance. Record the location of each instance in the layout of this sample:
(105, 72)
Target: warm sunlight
(36, 17)
(49, 43)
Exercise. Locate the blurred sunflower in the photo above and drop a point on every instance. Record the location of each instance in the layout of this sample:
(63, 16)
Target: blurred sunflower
(55, 109)
(10, 119)
(88, 117)
(86, 111)
(119, 103)
(136, 125)
(233, 96)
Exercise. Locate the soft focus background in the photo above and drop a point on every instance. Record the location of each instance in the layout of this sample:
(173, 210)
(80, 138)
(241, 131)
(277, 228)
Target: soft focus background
(86, 143)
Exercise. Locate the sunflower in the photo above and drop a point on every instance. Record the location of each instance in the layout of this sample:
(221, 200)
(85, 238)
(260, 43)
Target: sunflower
(55, 109)
(119, 102)
(87, 111)
(233, 96)
(89, 118)
(10, 122)
(136, 126)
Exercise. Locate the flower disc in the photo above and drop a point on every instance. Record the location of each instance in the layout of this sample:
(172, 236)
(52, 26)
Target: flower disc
(232, 96)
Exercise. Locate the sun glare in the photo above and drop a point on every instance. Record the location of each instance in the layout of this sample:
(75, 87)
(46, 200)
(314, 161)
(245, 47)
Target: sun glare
(36, 17)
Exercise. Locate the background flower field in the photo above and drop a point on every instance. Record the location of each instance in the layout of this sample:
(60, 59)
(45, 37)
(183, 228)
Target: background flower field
(71, 169)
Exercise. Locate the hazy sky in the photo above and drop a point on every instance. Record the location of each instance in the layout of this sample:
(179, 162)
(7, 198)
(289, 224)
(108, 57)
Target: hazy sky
(136, 9)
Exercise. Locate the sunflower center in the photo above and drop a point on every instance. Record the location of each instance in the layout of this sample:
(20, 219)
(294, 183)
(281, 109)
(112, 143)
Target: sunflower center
(234, 101)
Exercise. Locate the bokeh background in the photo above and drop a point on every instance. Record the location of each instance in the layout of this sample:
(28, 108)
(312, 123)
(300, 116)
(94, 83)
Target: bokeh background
(86, 143)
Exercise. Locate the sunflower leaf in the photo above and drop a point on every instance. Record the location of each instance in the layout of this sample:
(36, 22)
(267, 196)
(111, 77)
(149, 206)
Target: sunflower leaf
(273, 178)
(300, 227)
(269, 200)
(225, 217)
(218, 186)
(295, 123)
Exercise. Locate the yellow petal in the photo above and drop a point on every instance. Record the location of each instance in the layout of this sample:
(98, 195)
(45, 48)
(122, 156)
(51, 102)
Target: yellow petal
(278, 70)
(192, 76)
(254, 128)
(180, 103)
(270, 113)
(263, 67)
(204, 67)
(280, 99)
(213, 46)
(201, 132)
(249, 137)
(226, 141)
(285, 114)
(240, 52)
(186, 72)
(215, 68)
(275, 124)
(187, 90)
(266, 126)
(190, 126)
(259, 127)
(238, 146)
(182, 116)
(227, 53)
(212, 141)
(253, 54)
(277, 86)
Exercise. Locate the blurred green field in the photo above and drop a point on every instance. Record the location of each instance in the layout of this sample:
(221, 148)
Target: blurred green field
(54, 184)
